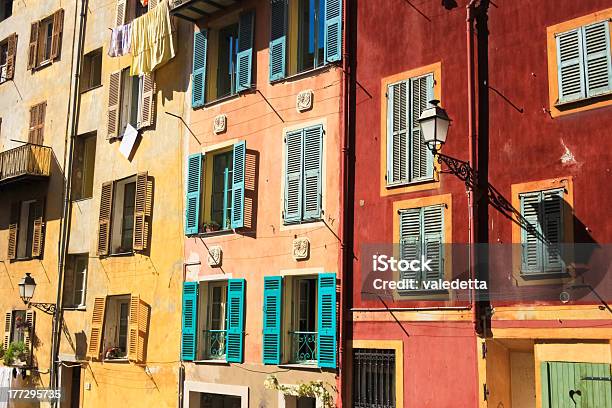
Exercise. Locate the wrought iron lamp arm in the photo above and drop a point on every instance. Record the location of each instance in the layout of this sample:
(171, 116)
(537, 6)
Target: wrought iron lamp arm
(459, 168)
(48, 308)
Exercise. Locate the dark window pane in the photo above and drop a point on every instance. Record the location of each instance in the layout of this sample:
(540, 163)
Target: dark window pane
(373, 378)
(226, 66)
(127, 225)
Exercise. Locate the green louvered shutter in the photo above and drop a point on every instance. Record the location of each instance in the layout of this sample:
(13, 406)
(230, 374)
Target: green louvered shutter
(333, 30)
(293, 177)
(192, 200)
(570, 66)
(575, 384)
(326, 325)
(421, 158)
(410, 238)
(245, 51)
(278, 39)
(397, 132)
(238, 185)
(198, 90)
(552, 228)
(313, 162)
(531, 259)
(272, 306)
(190, 321)
(596, 46)
(235, 320)
(432, 247)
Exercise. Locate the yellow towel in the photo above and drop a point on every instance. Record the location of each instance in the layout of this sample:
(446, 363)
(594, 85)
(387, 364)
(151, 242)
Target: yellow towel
(152, 43)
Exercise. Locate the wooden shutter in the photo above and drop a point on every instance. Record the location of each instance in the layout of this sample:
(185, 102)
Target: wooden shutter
(410, 239)
(313, 173)
(37, 123)
(13, 230)
(28, 335)
(97, 327)
(272, 319)
(235, 320)
(138, 329)
(120, 12)
(11, 52)
(152, 4)
(333, 30)
(104, 221)
(598, 69)
(189, 321)
(432, 247)
(326, 320)
(293, 177)
(245, 51)
(278, 39)
(192, 199)
(8, 324)
(397, 132)
(421, 158)
(38, 236)
(561, 382)
(238, 185)
(141, 219)
(56, 39)
(114, 100)
(570, 66)
(552, 228)
(33, 46)
(531, 246)
(198, 90)
(146, 112)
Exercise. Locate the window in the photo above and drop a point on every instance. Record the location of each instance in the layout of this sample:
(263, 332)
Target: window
(308, 308)
(6, 9)
(26, 230)
(219, 401)
(584, 64)
(91, 72)
(125, 215)
(37, 123)
(303, 175)
(408, 158)
(541, 239)
(3, 60)
(116, 327)
(304, 34)
(19, 326)
(216, 201)
(75, 281)
(225, 68)
(45, 40)
(8, 49)
(130, 101)
(422, 235)
(83, 167)
(128, 10)
(374, 378)
(213, 320)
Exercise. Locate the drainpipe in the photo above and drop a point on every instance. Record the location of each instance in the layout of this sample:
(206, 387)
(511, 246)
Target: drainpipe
(71, 126)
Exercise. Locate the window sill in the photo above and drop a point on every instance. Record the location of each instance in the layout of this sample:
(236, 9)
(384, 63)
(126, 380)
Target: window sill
(78, 200)
(582, 101)
(220, 362)
(303, 74)
(75, 308)
(91, 89)
(130, 253)
(42, 65)
(529, 276)
(214, 233)
(302, 222)
(313, 366)
(116, 360)
(410, 183)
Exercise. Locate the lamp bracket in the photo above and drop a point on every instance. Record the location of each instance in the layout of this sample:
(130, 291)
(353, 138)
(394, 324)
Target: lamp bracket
(48, 308)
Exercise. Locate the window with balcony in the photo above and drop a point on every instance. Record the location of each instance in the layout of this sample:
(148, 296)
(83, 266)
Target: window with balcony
(130, 102)
(212, 311)
(91, 71)
(6, 9)
(75, 281)
(83, 166)
(45, 40)
(26, 230)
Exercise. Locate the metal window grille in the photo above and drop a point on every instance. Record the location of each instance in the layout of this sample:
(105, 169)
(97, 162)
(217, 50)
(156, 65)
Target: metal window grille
(373, 378)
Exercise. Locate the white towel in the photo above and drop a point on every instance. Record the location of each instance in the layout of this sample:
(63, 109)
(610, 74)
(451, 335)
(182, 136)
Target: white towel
(121, 40)
(6, 373)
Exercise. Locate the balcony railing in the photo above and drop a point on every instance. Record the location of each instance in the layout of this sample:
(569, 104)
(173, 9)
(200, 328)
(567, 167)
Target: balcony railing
(214, 343)
(194, 10)
(25, 161)
(303, 347)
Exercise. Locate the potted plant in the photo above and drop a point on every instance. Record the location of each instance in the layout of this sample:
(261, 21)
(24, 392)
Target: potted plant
(212, 226)
(113, 353)
(16, 354)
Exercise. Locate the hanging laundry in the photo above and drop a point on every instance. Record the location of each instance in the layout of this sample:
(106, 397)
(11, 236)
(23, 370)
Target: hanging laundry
(121, 41)
(152, 44)
(5, 385)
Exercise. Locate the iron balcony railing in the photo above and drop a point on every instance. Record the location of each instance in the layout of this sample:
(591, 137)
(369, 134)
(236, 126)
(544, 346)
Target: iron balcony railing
(303, 347)
(214, 343)
(27, 160)
(193, 10)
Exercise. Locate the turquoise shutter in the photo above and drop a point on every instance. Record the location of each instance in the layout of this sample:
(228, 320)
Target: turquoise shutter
(293, 177)
(410, 238)
(278, 39)
(552, 228)
(272, 319)
(326, 325)
(192, 200)
(531, 258)
(421, 158)
(245, 51)
(397, 132)
(570, 66)
(313, 162)
(596, 46)
(333, 30)
(432, 247)
(198, 90)
(235, 320)
(190, 321)
(238, 185)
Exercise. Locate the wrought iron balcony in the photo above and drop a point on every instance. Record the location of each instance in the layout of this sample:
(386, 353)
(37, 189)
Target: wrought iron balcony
(25, 162)
(303, 347)
(214, 343)
(193, 10)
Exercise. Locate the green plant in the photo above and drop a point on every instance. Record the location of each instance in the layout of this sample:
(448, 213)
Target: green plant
(312, 389)
(16, 351)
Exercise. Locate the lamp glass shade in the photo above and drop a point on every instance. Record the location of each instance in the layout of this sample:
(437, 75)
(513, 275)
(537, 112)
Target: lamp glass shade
(434, 123)
(27, 285)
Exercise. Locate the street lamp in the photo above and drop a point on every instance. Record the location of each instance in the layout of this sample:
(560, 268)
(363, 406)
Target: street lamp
(27, 285)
